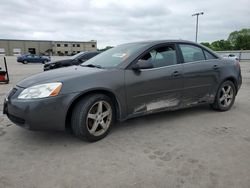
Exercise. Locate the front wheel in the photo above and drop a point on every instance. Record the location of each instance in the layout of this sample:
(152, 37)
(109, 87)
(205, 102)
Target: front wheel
(25, 62)
(93, 117)
(225, 97)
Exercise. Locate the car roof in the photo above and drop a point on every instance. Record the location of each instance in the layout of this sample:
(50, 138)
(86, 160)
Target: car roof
(151, 43)
(154, 42)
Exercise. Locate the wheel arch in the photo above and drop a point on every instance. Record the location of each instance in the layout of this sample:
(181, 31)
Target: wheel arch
(233, 80)
(91, 92)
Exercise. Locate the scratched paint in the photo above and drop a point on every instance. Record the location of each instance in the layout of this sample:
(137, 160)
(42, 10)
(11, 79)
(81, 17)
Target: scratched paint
(162, 104)
(141, 108)
(155, 105)
(204, 99)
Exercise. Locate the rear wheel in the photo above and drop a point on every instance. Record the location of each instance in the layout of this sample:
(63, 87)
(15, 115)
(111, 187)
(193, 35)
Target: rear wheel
(225, 96)
(93, 117)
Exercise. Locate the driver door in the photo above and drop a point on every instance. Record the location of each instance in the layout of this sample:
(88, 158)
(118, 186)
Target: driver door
(157, 88)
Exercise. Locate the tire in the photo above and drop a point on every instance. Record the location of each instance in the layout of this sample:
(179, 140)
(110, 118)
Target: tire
(25, 62)
(89, 121)
(225, 97)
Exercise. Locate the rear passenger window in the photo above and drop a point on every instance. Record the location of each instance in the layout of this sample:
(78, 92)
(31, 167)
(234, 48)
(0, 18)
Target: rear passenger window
(191, 53)
(209, 55)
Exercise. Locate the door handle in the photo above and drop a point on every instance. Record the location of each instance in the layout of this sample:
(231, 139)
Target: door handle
(215, 67)
(176, 74)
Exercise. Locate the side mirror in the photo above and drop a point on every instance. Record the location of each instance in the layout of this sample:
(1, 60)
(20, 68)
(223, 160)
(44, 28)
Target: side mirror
(142, 64)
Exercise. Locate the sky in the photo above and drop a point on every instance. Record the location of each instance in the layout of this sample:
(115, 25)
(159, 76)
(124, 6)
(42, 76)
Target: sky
(113, 22)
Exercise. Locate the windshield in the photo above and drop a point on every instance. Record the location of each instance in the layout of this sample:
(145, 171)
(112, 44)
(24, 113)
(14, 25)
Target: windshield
(114, 56)
(77, 55)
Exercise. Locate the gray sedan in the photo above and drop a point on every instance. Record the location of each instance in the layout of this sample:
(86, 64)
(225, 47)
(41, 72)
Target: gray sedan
(124, 82)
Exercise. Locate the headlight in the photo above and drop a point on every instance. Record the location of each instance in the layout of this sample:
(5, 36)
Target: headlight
(41, 91)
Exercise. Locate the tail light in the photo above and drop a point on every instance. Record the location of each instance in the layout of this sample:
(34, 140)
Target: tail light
(3, 76)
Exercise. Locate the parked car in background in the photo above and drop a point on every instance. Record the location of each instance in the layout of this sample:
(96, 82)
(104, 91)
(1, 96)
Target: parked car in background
(230, 56)
(74, 60)
(32, 58)
(124, 82)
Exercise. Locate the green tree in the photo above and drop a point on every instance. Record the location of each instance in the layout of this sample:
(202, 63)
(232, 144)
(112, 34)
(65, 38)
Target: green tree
(240, 39)
(207, 44)
(220, 45)
(106, 48)
(237, 40)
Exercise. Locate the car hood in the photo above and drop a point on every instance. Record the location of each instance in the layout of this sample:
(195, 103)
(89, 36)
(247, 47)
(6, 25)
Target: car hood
(58, 75)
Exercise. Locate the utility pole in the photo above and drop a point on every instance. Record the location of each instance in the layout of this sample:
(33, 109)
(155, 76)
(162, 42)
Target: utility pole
(197, 20)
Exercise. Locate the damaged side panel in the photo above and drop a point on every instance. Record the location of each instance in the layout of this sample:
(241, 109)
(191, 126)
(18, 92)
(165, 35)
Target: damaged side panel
(171, 104)
(188, 102)
(157, 105)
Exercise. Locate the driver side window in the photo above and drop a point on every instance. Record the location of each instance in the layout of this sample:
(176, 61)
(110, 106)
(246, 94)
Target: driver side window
(162, 56)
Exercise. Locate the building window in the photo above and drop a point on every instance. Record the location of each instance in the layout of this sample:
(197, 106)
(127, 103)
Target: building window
(73, 45)
(58, 45)
(2, 51)
(78, 51)
(66, 52)
(16, 51)
(93, 46)
(65, 45)
(78, 45)
(58, 52)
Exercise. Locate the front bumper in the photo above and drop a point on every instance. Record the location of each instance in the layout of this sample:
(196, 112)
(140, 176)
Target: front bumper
(38, 114)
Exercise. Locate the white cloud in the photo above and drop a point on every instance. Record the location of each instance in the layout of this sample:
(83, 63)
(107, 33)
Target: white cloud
(112, 22)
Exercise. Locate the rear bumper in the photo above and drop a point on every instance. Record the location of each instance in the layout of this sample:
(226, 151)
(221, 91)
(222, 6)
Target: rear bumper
(38, 114)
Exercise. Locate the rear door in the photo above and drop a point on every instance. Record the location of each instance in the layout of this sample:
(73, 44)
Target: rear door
(156, 88)
(201, 71)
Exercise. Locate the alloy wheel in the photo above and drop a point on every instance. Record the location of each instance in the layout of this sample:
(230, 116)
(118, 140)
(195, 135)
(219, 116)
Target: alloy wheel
(226, 96)
(99, 118)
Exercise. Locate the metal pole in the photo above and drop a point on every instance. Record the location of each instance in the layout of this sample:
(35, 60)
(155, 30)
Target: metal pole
(197, 23)
(6, 69)
(197, 20)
